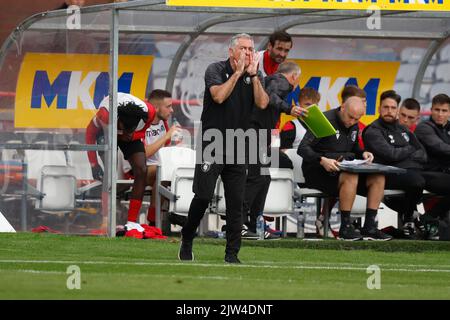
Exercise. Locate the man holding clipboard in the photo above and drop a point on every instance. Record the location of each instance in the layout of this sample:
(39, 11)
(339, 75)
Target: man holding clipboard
(321, 158)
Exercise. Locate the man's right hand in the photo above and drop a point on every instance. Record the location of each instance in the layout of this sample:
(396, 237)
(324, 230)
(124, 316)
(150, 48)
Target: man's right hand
(97, 172)
(240, 64)
(330, 165)
(174, 130)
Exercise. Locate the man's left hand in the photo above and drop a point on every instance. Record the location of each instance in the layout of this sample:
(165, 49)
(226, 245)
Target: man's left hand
(253, 66)
(298, 111)
(368, 155)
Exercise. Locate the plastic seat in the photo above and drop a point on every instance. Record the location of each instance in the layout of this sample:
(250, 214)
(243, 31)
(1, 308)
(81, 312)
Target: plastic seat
(407, 72)
(443, 72)
(58, 186)
(404, 89)
(412, 54)
(176, 166)
(444, 53)
(439, 87)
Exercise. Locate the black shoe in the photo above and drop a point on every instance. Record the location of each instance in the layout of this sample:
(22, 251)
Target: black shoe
(409, 231)
(271, 236)
(374, 234)
(185, 253)
(231, 258)
(432, 230)
(247, 234)
(349, 233)
(428, 226)
(177, 219)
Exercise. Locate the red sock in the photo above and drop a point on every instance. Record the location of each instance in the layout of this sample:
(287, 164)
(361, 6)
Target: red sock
(133, 211)
(151, 217)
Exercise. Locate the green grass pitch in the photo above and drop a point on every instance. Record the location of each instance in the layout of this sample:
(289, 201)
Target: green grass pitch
(34, 266)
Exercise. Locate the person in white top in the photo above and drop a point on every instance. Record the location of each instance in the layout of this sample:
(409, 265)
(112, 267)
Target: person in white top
(157, 136)
(280, 43)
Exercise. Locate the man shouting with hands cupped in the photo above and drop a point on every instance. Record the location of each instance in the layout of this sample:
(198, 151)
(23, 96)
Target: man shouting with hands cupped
(232, 89)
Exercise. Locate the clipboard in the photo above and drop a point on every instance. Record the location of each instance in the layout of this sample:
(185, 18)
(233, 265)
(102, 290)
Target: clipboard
(317, 123)
(371, 168)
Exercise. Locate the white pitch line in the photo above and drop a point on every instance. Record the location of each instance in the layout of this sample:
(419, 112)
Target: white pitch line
(175, 276)
(35, 271)
(208, 265)
(354, 264)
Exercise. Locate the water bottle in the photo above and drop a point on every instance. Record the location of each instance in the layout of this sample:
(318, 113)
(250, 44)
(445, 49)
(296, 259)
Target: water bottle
(300, 225)
(275, 138)
(260, 227)
(176, 137)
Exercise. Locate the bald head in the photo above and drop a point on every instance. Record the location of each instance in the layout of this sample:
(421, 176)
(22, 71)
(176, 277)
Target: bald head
(352, 110)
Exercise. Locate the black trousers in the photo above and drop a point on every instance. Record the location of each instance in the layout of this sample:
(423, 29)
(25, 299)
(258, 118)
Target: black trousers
(257, 184)
(438, 183)
(256, 189)
(413, 183)
(205, 178)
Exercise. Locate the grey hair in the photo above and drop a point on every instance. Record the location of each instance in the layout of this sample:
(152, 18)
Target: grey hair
(235, 38)
(289, 67)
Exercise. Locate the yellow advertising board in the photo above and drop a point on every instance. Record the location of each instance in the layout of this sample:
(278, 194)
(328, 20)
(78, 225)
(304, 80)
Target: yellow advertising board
(65, 90)
(329, 77)
(406, 5)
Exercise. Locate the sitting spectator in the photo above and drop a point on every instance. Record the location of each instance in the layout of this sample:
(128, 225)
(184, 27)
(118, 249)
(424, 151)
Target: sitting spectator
(434, 134)
(409, 113)
(320, 166)
(157, 136)
(347, 92)
(293, 131)
(133, 118)
(393, 144)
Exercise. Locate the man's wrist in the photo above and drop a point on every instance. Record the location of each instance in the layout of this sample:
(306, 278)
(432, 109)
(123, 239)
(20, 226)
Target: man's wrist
(253, 75)
(237, 74)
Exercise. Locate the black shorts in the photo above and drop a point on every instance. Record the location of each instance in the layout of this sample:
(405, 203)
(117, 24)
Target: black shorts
(129, 148)
(327, 182)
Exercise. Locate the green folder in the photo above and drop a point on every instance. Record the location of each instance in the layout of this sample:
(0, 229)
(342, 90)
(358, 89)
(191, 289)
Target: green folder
(317, 123)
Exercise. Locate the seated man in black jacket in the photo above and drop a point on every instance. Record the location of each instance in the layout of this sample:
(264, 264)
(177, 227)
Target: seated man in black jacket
(393, 144)
(320, 167)
(434, 134)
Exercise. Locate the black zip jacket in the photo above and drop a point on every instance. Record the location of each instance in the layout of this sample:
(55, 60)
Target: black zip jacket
(277, 88)
(393, 144)
(436, 140)
(344, 143)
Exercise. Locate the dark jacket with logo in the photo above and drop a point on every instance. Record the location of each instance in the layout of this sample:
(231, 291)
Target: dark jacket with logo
(393, 144)
(277, 88)
(344, 143)
(436, 140)
(234, 113)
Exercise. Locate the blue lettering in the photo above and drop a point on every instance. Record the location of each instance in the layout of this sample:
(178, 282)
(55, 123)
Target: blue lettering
(43, 87)
(314, 83)
(292, 97)
(60, 87)
(371, 89)
(102, 86)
